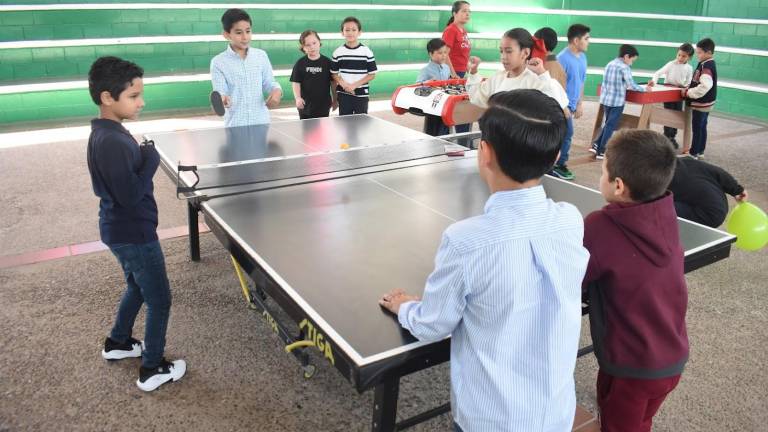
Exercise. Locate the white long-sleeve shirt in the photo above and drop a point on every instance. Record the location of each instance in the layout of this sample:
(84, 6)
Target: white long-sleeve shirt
(509, 294)
(480, 91)
(674, 73)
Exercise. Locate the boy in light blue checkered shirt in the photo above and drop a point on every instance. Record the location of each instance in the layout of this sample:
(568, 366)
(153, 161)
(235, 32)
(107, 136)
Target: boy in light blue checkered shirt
(243, 75)
(616, 80)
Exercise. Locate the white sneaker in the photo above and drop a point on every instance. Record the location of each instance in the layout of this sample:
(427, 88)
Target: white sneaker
(150, 379)
(115, 351)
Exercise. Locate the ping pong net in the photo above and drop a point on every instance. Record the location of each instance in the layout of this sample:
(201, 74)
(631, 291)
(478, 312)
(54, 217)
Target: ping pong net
(207, 163)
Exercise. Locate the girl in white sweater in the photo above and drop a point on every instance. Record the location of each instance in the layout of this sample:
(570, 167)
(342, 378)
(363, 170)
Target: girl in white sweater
(520, 72)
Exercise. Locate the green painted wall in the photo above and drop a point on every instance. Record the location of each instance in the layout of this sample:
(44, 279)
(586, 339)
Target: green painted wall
(47, 25)
(77, 103)
(67, 63)
(24, 65)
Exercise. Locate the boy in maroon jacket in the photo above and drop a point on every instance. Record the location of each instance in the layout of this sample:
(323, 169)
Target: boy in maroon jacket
(635, 282)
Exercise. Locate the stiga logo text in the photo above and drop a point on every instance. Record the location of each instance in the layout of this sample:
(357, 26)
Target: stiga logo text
(318, 339)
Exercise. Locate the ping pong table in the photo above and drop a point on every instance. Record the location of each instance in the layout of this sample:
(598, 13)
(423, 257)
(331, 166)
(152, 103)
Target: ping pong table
(324, 232)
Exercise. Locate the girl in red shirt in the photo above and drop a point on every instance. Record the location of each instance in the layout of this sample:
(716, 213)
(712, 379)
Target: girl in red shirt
(457, 39)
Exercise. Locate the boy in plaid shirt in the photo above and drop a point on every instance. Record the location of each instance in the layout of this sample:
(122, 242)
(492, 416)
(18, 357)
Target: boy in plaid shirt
(616, 79)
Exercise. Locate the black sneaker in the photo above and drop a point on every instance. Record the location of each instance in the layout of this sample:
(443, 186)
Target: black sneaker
(116, 351)
(593, 148)
(150, 379)
(562, 171)
(600, 156)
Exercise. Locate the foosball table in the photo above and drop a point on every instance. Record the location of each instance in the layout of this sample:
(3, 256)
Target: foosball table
(446, 99)
(652, 111)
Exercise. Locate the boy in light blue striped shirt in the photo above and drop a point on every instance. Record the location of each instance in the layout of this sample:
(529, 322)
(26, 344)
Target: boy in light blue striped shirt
(507, 284)
(243, 74)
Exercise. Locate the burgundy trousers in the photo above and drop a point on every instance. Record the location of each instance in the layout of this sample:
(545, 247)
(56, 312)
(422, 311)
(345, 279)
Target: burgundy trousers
(629, 404)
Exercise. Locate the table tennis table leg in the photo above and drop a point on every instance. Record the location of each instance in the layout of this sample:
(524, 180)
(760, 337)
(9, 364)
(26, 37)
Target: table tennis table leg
(194, 232)
(385, 405)
(687, 130)
(598, 124)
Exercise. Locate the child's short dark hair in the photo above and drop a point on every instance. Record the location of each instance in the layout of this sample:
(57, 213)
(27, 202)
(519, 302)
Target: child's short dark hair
(706, 45)
(643, 159)
(522, 36)
(686, 48)
(111, 74)
(351, 19)
(628, 50)
(434, 45)
(577, 31)
(525, 128)
(549, 36)
(232, 16)
(304, 35)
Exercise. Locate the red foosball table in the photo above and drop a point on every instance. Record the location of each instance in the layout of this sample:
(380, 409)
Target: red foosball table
(446, 99)
(652, 111)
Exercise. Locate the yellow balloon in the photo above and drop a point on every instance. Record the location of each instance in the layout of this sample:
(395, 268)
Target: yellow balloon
(750, 226)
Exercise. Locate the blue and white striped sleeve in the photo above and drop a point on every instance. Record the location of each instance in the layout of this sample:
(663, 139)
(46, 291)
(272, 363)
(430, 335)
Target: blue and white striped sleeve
(218, 79)
(445, 298)
(268, 82)
(629, 81)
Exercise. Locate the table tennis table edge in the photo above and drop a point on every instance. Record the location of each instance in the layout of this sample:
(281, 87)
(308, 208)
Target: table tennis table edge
(351, 352)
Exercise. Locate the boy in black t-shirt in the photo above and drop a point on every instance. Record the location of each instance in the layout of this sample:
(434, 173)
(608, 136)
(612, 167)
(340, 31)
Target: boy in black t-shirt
(311, 79)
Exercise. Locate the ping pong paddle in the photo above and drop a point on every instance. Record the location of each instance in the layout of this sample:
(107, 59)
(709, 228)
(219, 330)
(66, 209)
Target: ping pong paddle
(454, 150)
(217, 103)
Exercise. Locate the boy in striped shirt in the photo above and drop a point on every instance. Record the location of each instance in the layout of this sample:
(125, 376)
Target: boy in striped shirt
(506, 290)
(353, 67)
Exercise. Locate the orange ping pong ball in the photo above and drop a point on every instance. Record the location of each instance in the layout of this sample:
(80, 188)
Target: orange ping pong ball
(344, 146)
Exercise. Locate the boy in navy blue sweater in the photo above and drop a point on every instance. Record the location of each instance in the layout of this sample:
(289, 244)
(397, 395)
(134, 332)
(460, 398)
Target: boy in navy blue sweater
(121, 174)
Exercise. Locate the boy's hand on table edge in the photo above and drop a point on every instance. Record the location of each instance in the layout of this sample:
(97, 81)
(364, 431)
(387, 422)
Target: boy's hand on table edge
(394, 299)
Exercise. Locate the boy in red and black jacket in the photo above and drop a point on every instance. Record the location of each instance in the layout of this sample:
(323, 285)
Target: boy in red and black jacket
(635, 282)
(701, 94)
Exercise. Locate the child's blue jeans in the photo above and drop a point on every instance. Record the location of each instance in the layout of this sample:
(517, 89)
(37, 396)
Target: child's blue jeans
(146, 282)
(699, 129)
(612, 116)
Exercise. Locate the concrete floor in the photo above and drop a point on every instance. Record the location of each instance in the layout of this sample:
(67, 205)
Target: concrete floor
(54, 316)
